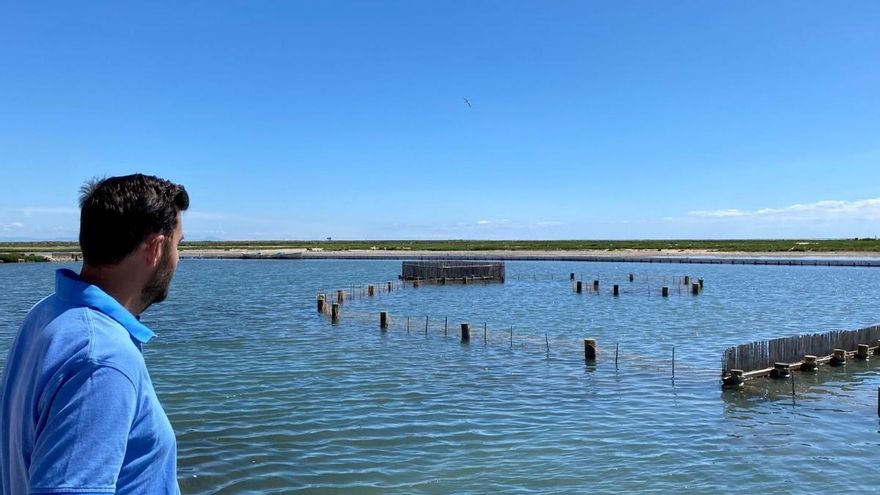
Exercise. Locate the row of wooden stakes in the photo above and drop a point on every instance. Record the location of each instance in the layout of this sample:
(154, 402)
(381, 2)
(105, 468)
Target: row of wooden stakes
(736, 378)
(696, 287)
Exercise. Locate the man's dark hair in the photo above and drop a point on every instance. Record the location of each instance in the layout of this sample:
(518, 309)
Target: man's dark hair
(118, 213)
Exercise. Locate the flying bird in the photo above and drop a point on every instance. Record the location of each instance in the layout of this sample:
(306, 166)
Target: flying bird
(468, 102)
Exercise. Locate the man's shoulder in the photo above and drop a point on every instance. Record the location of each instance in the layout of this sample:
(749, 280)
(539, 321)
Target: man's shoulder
(65, 332)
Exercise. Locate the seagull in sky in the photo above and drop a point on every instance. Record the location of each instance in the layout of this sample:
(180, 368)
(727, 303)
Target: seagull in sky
(468, 102)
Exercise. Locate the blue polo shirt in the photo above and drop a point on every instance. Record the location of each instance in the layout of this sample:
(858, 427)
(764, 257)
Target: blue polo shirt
(78, 412)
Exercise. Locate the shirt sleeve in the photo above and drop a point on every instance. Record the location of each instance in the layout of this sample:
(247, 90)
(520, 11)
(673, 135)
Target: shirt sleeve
(82, 434)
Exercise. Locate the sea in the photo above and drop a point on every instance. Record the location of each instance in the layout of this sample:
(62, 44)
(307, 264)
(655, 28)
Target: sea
(266, 395)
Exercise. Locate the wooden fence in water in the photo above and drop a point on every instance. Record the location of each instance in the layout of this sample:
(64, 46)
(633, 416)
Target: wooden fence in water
(762, 355)
(453, 270)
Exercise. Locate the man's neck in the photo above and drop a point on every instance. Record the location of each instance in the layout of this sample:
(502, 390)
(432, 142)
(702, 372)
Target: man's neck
(116, 281)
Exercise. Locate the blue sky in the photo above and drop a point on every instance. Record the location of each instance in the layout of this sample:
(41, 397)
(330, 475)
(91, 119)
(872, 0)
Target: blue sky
(589, 120)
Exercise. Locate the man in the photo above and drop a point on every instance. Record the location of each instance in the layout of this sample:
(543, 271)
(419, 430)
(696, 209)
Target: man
(78, 412)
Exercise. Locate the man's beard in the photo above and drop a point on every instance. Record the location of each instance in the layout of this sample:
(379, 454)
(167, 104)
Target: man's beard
(157, 288)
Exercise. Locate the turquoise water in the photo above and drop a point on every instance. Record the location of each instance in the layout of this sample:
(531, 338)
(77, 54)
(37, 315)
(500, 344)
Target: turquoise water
(267, 396)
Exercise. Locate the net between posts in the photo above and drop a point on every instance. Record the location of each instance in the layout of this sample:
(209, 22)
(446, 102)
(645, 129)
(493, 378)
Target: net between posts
(761, 355)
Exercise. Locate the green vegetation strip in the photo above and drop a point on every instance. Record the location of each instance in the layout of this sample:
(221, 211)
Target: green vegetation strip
(866, 245)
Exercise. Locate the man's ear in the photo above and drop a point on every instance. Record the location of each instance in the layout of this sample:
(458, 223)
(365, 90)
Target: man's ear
(153, 249)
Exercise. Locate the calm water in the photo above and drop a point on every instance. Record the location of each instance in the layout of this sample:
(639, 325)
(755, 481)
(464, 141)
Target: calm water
(266, 396)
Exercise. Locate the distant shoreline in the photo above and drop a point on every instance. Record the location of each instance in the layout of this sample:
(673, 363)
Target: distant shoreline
(622, 254)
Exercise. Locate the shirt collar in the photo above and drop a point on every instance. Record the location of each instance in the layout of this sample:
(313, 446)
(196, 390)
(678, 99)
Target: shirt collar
(74, 290)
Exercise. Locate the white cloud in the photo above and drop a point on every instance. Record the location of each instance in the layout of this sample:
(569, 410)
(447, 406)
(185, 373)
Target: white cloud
(865, 209)
(484, 222)
(717, 213)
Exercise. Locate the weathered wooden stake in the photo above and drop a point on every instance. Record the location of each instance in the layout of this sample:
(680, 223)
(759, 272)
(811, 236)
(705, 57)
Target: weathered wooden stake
(579, 287)
(595, 285)
(589, 350)
(426, 326)
(616, 290)
(415, 284)
(320, 303)
(838, 357)
(334, 312)
(687, 280)
(383, 320)
(631, 277)
(445, 326)
(340, 296)
(665, 291)
(862, 352)
(735, 380)
(547, 340)
(407, 325)
(571, 276)
(695, 289)
(389, 287)
(809, 363)
(465, 332)
(780, 370)
(700, 281)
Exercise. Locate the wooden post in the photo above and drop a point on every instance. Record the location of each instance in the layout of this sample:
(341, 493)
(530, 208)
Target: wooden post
(334, 312)
(383, 320)
(571, 276)
(340, 296)
(595, 285)
(665, 291)
(780, 370)
(465, 332)
(389, 287)
(579, 287)
(687, 280)
(838, 357)
(809, 363)
(700, 281)
(695, 289)
(734, 380)
(590, 350)
(371, 290)
(464, 280)
(631, 277)
(415, 283)
(443, 280)
(616, 290)
(321, 303)
(547, 340)
(862, 352)
(445, 326)
(426, 326)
